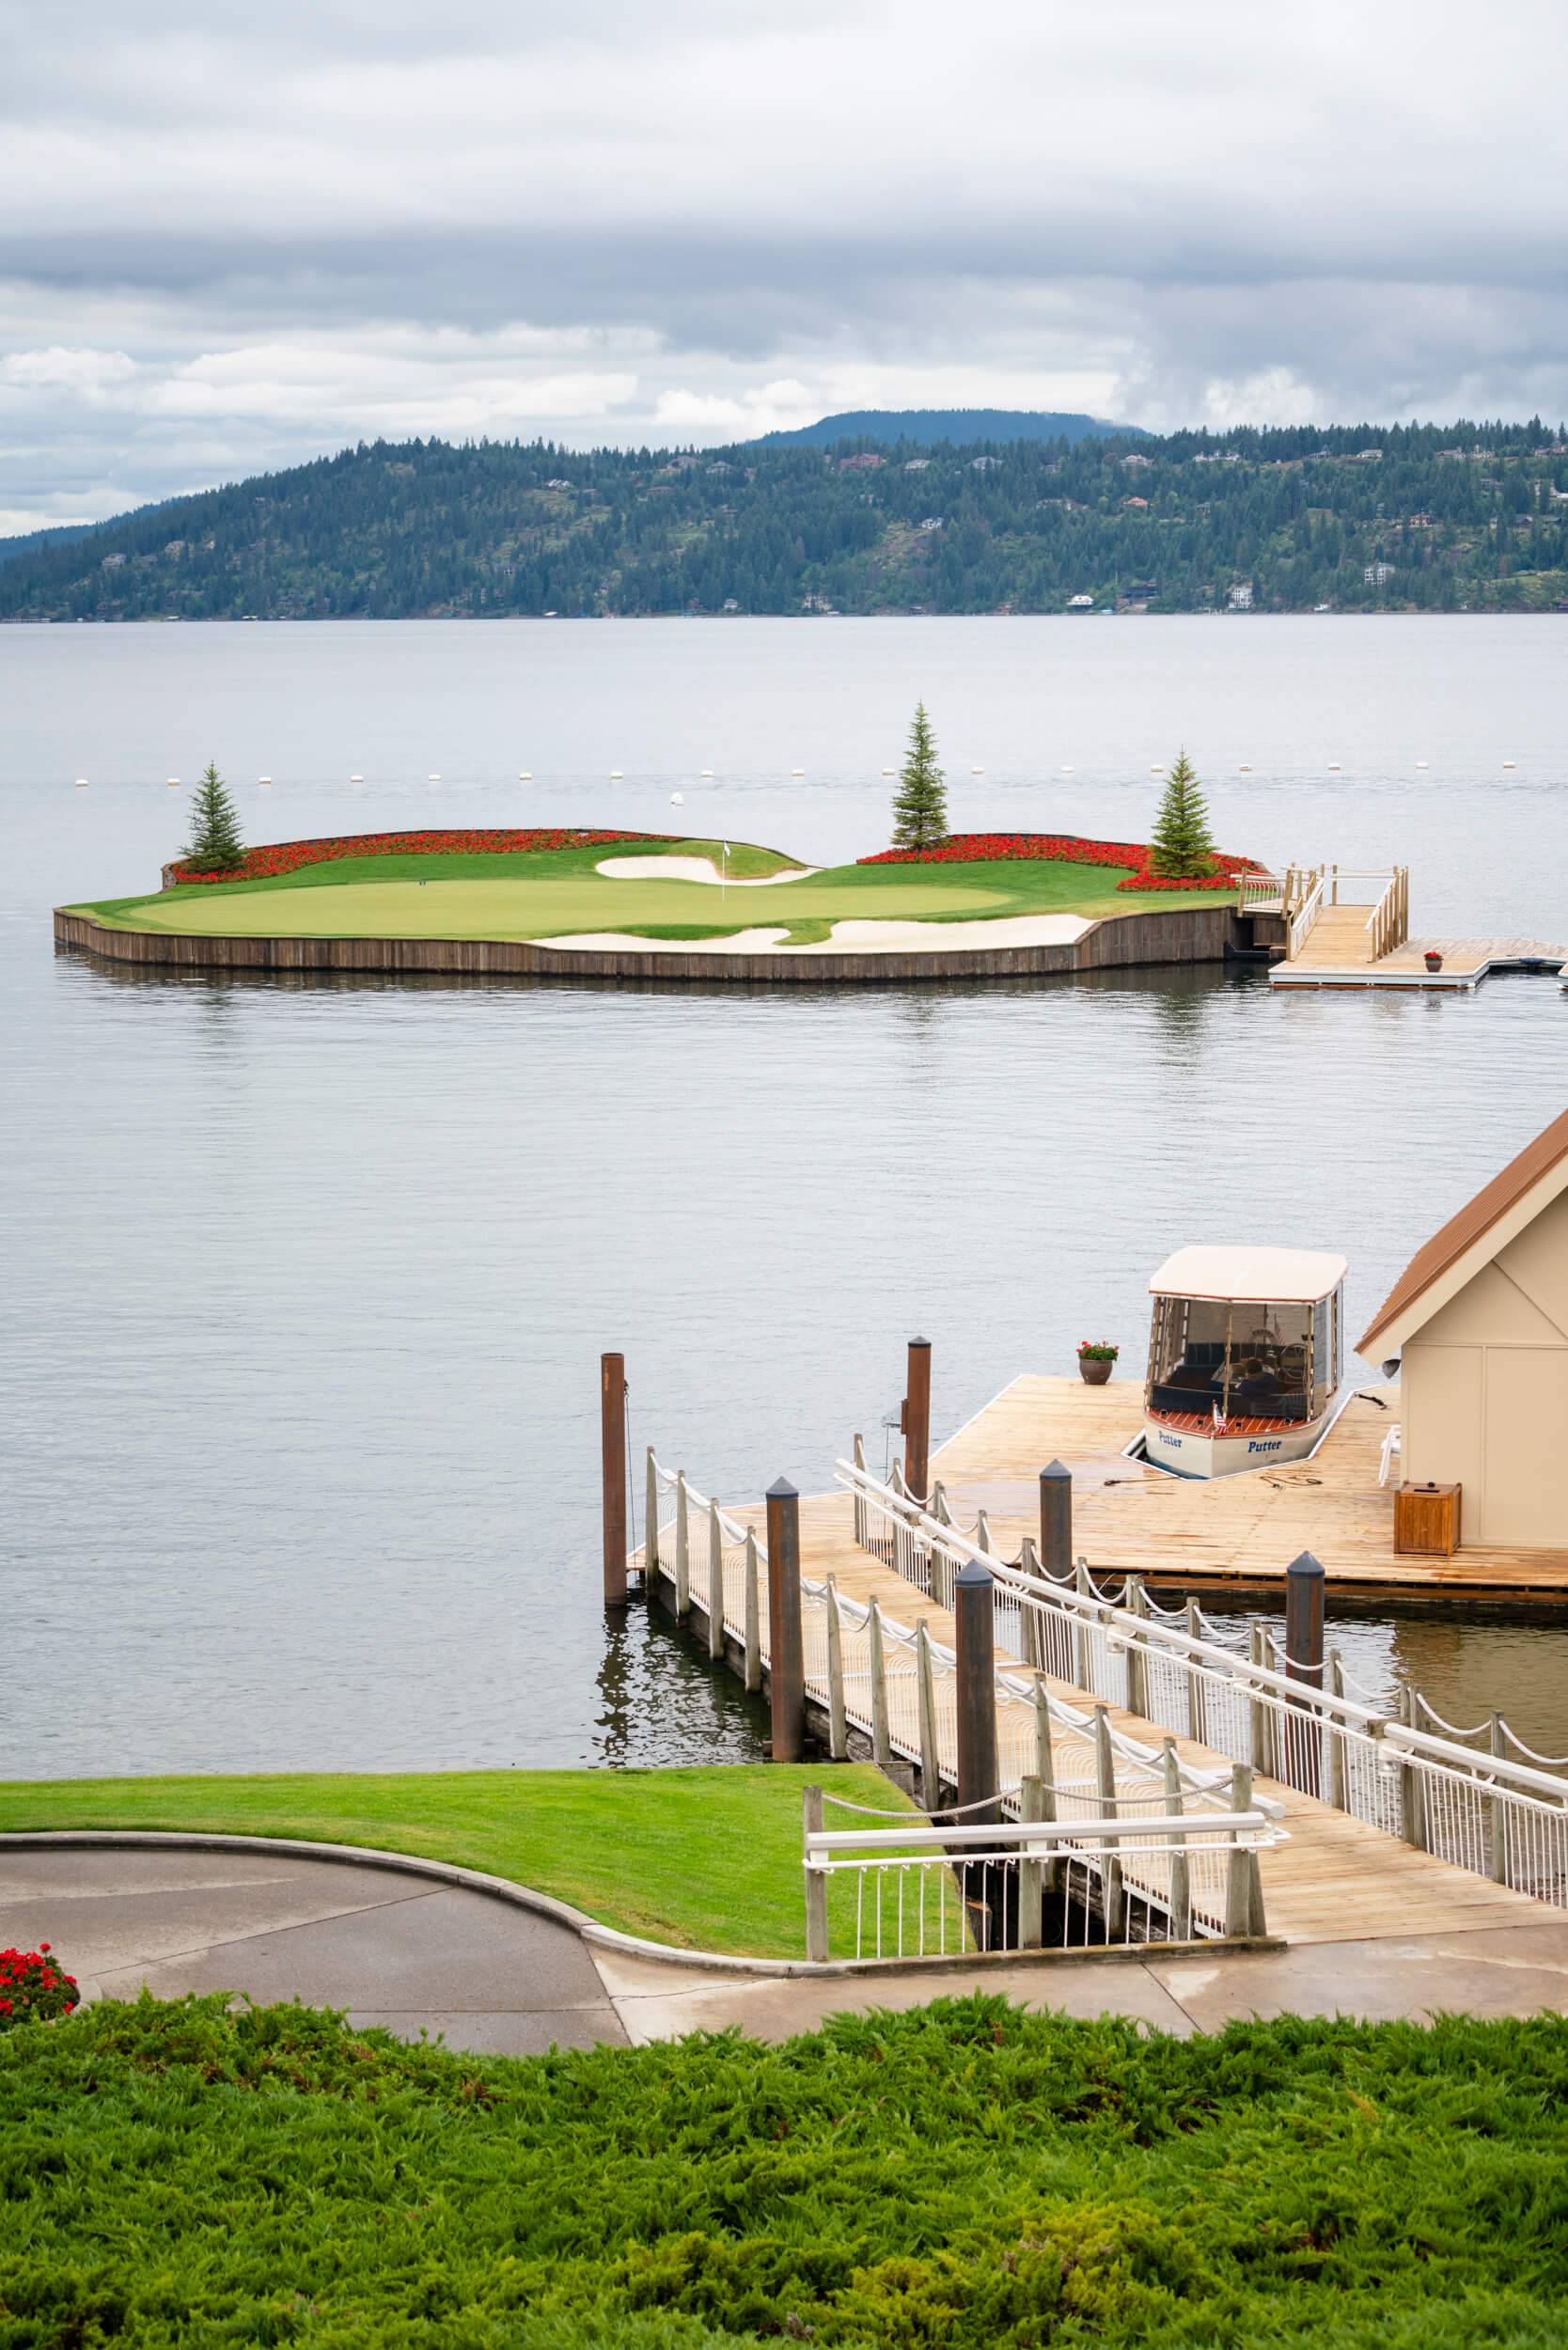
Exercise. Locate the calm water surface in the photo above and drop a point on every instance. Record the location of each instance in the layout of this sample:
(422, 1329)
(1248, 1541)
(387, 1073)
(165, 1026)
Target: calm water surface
(305, 1285)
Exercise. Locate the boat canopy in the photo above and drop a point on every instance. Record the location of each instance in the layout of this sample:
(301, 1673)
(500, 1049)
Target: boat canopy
(1251, 1275)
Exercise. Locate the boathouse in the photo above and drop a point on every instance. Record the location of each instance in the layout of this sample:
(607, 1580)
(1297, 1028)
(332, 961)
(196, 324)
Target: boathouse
(1478, 1319)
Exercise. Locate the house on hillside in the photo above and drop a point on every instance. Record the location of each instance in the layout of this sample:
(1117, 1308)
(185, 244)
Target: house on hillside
(1478, 1320)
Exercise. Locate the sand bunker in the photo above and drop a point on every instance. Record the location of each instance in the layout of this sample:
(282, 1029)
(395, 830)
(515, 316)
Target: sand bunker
(693, 868)
(857, 938)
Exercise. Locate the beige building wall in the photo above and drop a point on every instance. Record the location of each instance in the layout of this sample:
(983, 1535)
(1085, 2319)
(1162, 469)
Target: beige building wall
(1484, 1392)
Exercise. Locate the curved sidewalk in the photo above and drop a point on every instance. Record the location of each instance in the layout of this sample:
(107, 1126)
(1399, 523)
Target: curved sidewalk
(416, 1950)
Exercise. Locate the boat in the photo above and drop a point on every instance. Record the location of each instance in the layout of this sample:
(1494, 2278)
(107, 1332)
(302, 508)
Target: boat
(1244, 1353)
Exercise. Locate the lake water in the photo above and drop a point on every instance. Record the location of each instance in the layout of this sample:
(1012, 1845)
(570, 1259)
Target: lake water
(306, 1284)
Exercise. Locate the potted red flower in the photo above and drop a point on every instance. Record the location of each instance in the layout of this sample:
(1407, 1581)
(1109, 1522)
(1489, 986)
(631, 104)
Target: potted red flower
(1433, 959)
(1095, 1358)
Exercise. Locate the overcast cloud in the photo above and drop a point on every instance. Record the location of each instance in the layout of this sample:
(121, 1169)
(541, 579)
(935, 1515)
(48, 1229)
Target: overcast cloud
(231, 238)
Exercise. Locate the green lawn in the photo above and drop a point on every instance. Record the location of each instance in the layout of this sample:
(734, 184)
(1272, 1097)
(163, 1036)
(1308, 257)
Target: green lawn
(964, 2176)
(708, 1859)
(545, 894)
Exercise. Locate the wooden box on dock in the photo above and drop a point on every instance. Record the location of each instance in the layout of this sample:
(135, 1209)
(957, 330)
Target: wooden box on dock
(1426, 1519)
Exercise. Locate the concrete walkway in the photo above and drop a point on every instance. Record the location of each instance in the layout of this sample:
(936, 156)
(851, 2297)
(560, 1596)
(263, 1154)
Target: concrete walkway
(414, 1955)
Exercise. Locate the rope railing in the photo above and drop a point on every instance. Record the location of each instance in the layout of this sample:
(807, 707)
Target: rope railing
(1504, 1818)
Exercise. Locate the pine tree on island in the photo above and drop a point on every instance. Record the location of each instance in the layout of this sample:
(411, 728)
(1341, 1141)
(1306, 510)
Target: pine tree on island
(920, 802)
(1180, 845)
(215, 843)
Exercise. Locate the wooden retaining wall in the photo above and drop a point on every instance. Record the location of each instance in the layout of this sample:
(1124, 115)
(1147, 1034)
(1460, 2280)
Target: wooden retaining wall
(1187, 934)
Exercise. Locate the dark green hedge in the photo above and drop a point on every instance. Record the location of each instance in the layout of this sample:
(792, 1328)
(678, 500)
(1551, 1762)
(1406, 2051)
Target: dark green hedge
(964, 2174)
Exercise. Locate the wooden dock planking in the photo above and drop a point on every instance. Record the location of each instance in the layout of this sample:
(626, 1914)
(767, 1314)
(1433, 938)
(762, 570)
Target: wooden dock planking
(1240, 1531)
(1337, 952)
(1335, 1879)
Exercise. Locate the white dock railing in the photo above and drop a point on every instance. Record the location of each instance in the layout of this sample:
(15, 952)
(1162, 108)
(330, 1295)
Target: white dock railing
(1502, 1818)
(897, 1686)
(1306, 913)
(1389, 923)
(1027, 1884)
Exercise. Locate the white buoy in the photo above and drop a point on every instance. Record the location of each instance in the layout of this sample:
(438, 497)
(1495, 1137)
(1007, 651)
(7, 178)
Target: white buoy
(81, 783)
(1243, 771)
(265, 781)
(707, 775)
(356, 778)
(1420, 762)
(797, 771)
(1510, 763)
(525, 774)
(1068, 771)
(174, 783)
(977, 771)
(432, 778)
(618, 775)
(677, 799)
(1333, 766)
(1156, 771)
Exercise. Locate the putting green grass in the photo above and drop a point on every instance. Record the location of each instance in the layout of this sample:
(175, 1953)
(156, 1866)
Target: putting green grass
(707, 1857)
(554, 894)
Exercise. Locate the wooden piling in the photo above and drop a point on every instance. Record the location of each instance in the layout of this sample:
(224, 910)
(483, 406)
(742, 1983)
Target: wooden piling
(917, 1419)
(612, 1471)
(1304, 1595)
(1056, 1522)
(786, 1666)
(974, 1614)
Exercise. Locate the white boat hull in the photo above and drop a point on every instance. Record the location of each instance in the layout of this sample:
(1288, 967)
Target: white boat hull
(1212, 1454)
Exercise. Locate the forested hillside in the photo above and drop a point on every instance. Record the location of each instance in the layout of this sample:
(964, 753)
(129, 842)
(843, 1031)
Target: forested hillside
(1463, 517)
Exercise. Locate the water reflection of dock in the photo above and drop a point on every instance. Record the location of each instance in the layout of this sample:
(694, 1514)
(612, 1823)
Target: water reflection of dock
(1236, 1532)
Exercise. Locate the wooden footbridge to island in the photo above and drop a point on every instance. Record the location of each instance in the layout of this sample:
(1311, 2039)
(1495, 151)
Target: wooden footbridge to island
(1257, 1793)
(1344, 927)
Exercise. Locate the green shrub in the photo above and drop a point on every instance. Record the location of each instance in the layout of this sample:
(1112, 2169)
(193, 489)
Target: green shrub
(963, 2176)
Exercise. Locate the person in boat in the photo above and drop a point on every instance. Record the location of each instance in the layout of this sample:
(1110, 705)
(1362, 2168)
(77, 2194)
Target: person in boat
(1258, 1387)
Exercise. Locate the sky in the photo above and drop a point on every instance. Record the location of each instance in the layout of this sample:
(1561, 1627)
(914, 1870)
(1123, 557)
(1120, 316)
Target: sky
(234, 236)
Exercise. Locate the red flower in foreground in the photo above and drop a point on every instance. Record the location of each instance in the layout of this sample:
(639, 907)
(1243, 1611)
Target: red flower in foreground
(34, 1988)
(287, 857)
(1064, 848)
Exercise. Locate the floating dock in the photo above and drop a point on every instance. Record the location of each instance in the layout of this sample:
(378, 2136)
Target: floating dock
(1236, 1533)
(1344, 928)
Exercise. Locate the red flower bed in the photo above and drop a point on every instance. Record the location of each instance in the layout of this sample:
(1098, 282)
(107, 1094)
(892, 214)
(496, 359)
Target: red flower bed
(34, 1988)
(287, 857)
(1064, 848)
